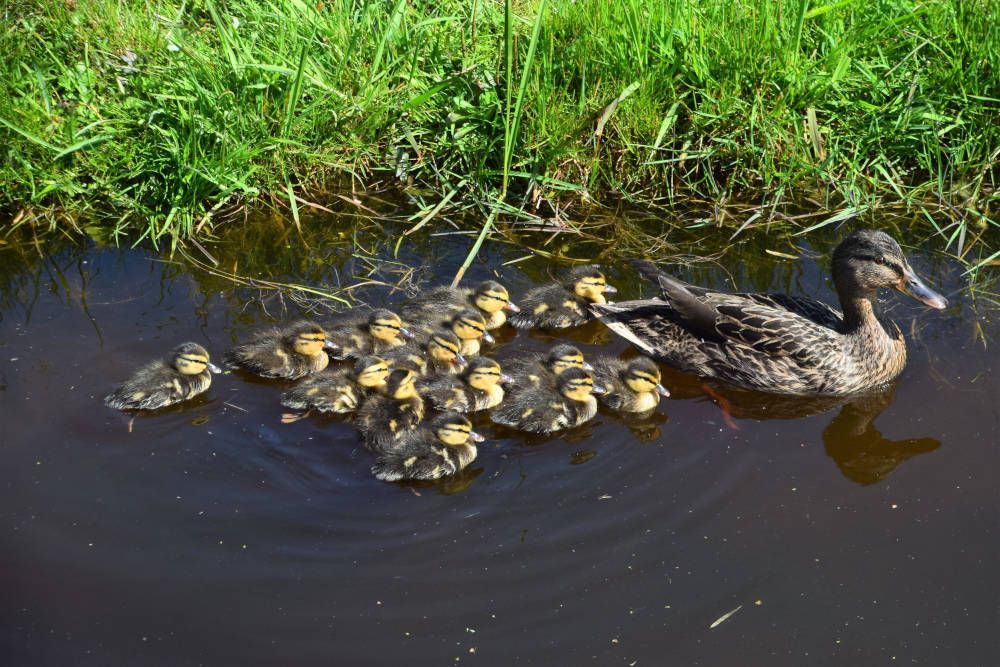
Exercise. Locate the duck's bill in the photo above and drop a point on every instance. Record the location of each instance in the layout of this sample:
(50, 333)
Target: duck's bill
(511, 307)
(662, 391)
(610, 289)
(405, 333)
(587, 367)
(506, 379)
(598, 389)
(213, 368)
(461, 361)
(330, 345)
(475, 437)
(488, 338)
(912, 285)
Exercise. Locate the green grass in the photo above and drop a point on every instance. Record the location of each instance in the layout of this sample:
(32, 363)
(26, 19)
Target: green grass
(513, 108)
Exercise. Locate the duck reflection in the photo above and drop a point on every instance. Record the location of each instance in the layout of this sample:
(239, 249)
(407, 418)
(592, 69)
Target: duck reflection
(859, 449)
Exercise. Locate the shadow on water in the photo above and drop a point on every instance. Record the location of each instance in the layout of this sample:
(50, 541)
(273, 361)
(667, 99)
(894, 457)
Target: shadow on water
(618, 541)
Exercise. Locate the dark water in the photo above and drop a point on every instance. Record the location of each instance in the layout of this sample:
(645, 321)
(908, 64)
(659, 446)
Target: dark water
(211, 534)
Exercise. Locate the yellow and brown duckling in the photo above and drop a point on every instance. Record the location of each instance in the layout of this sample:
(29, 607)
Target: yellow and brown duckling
(444, 446)
(438, 355)
(182, 374)
(290, 352)
(470, 327)
(339, 392)
(565, 304)
(477, 388)
(385, 418)
(440, 303)
(630, 386)
(538, 370)
(373, 333)
(549, 409)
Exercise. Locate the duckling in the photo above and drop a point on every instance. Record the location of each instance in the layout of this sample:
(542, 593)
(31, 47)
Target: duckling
(477, 388)
(182, 374)
(374, 333)
(438, 356)
(445, 446)
(440, 303)
(339, 392)
(384, 419)
(289, 353)
(562, 305)
(537, 370)
(470, 327)
(547, 410)
(632, 386)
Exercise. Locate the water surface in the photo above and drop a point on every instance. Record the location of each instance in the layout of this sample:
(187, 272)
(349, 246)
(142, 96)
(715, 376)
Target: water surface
(211, 534)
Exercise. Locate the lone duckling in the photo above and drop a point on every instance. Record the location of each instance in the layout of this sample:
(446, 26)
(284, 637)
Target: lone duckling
(290, 353)
(182, 374)
(562, 305)
(339, 392)
(547, 410)
(384, 419)
(631, 386)
(477, 388)
(443, 447)
(441, 303)
(538, 370)
(439, 355)
(375, 333)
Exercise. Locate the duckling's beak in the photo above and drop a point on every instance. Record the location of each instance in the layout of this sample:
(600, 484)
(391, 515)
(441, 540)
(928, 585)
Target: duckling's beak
(511, 307)
(598, 389)
(330, 345)
(662, 391)
(212, 367)
(488, 338)
(587, 367)
(912, 285)
(506, 379)
(610, 289)
(461, 361)
(405, 333)
(475, 437)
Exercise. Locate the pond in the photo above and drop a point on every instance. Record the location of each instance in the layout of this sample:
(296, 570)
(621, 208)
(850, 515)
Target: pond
(210, 533)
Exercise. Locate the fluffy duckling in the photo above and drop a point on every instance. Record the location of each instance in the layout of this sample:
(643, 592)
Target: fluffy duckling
(547, 410)
(339, 392)
(374, 333)
(439, 355)
(477, 388)
(290, 353)
(562, 305)
(384, 419)
(470, 327)
(182, 374)
(631, 386)
(446, 445)
(441, 303)
(538, 370)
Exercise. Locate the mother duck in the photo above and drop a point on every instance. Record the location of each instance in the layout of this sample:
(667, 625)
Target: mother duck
(780, 343)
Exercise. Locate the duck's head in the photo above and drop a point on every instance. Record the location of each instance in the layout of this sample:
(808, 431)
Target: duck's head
(643, 377)
(401, 384)
(371, 372)
(191, 359)
(307, 338)
(870, 259)
(470, 325)
(386, 326)
(484, 373)
(587, 282)
(577, 384)
(444, 346)
(454, 429)
(563, 356)
(490, 297)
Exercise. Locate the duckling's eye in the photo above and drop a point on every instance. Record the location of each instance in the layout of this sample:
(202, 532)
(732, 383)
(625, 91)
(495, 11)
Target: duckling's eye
(473, 325)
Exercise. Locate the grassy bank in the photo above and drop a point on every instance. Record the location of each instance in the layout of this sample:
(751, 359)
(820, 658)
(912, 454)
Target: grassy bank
(160, 119)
